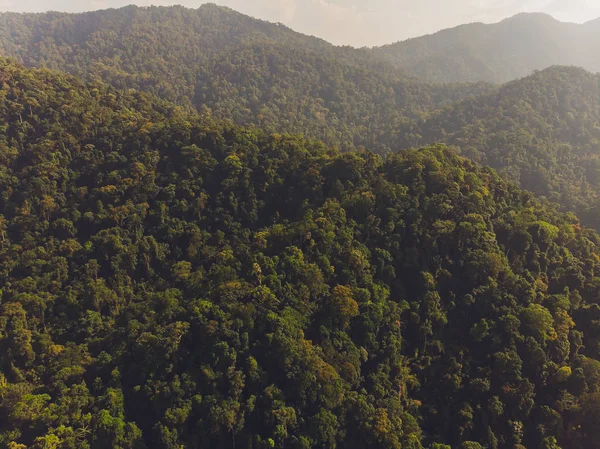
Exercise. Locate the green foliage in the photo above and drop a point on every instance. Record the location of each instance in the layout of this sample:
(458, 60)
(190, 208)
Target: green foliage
(169, 281)
(541, 132)
(235, 68)
(538, 321)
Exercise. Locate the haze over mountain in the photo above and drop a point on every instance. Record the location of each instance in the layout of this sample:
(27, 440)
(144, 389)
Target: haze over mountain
(498, 52)
(242, 69)
(542, 132)
(352, 22)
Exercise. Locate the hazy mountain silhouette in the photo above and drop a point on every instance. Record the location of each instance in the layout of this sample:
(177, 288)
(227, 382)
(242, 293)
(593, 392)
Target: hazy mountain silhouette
(498, 52)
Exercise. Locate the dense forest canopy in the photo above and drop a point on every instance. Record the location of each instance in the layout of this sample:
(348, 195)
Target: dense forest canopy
(159, 291)
(180, 268)
(498, 53)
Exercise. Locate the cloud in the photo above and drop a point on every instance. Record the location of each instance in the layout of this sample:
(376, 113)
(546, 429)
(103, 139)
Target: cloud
(574, 10)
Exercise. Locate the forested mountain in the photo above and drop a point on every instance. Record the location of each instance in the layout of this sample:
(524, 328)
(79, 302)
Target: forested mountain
(159, 290)
(171, 280)
(498, 52)
(542, 132)
(250, 71)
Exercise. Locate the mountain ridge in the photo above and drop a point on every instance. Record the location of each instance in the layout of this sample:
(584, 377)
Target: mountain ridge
(498, 52)
(254, 73)
(541, 132)
(237, 67)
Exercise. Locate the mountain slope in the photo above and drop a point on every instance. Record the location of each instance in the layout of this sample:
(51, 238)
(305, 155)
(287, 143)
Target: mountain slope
(498, 52)
(169, 281)
(237, 67)
(260, 74)
(136, 46)
(542, 132)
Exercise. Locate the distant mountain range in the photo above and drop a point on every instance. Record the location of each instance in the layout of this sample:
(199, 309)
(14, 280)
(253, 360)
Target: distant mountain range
(234, 67)
(541, 132)
(498, 52)
(121, 39)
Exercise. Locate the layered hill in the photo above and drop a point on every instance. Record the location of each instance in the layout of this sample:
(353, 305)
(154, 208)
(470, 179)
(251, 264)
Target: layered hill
(500, 52)
(254, 72)
(542, 132)
(169, 281)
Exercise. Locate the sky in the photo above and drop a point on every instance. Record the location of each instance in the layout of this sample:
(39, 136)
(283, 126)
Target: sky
(354, 22)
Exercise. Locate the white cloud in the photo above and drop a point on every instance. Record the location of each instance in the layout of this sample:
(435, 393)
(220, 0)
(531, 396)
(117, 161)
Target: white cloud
(574, 10)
